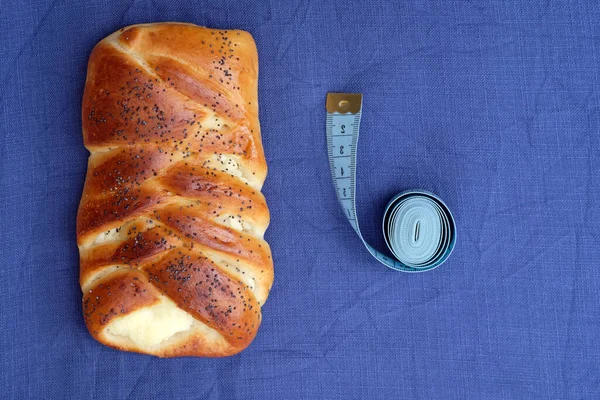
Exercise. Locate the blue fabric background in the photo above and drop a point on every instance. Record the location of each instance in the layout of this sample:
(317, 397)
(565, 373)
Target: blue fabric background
(493, 105)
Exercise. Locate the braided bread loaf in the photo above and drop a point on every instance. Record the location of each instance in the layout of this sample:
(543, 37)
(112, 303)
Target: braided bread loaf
(171, 221)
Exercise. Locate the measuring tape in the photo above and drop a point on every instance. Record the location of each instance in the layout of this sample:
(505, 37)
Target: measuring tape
(418, 227)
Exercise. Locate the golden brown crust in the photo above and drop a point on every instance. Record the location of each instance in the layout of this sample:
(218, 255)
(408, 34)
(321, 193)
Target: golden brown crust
(116, 296)
(198, 286)
(171, 207)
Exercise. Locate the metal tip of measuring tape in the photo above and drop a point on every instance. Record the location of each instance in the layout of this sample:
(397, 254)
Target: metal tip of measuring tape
(418, 227)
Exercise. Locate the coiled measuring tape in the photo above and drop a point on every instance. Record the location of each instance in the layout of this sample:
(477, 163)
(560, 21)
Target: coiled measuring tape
(418, 227)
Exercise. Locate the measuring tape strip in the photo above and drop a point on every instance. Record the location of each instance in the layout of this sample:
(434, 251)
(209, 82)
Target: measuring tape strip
(418, 227)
